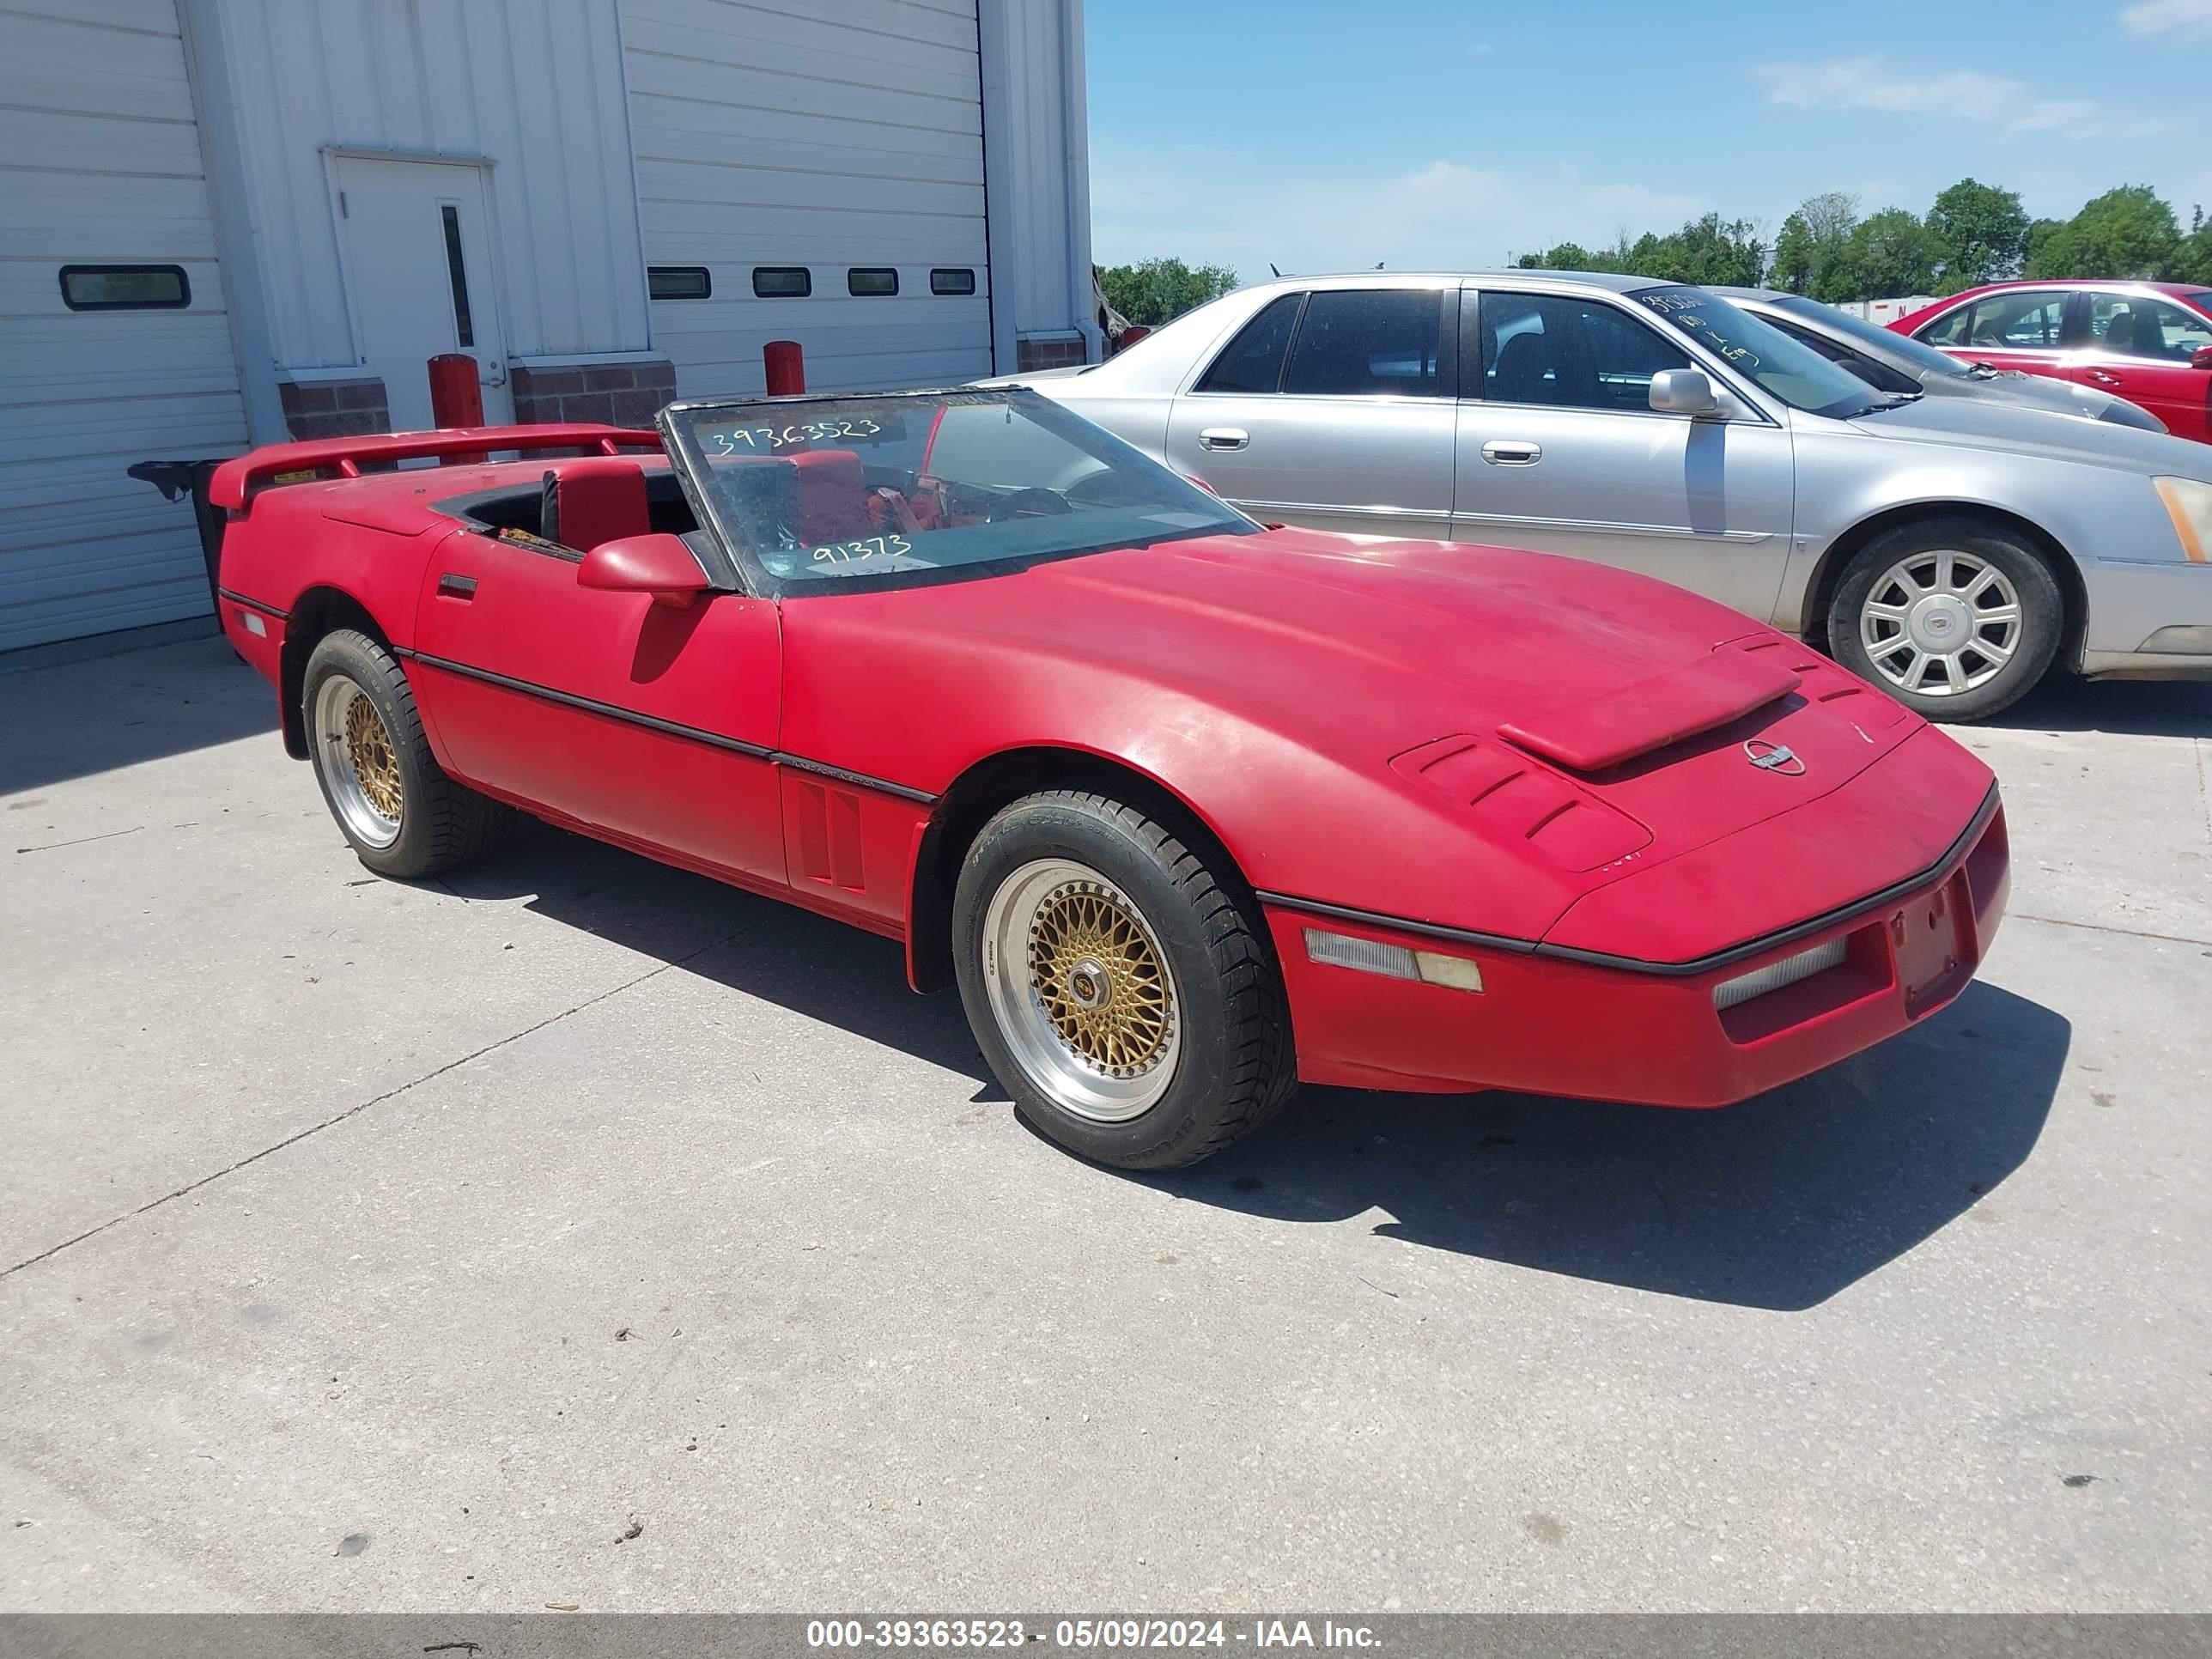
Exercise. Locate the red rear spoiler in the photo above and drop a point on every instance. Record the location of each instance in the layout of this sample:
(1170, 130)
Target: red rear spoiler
(236, 479)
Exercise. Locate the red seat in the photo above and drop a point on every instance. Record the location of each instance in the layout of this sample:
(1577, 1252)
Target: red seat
(590, 501)
(833, 497)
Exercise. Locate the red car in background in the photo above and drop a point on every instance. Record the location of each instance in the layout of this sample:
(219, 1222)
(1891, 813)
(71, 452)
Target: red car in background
(2150, 343)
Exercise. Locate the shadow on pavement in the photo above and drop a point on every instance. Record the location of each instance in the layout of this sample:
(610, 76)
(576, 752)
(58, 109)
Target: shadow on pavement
(1778, 1203)
(2146, 708)
(74, 718)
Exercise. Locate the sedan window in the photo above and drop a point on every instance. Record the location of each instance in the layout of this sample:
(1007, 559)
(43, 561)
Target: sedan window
(1584, 353)
(1366, 342)
(2018, 321)
(2134, 325)
(1253, 360)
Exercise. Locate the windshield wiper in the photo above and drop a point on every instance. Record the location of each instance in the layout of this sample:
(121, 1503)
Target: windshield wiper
(1897, 402)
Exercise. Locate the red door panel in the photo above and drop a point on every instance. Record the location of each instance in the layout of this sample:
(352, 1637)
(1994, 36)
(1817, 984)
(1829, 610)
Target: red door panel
(652, 722)
(2138, 347)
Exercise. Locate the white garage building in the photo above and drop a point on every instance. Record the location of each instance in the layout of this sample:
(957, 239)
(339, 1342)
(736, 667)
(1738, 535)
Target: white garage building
(230, 221)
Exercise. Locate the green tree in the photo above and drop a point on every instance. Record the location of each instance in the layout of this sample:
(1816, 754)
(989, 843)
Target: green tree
(1812, 253)
(1892, 253)
(2125, 233)
(1794, 256)
(1156, 291)
(1980, 233)
(2192, 256)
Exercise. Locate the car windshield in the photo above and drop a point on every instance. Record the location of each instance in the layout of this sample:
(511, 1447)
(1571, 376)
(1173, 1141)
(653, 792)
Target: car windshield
(1902, 347)
(827, 493)
(1792, 371)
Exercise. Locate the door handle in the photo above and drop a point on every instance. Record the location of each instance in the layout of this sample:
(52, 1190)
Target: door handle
(453, 587)
(1224, 437)
(1512, 452)
(2102, 379)
(491, 375)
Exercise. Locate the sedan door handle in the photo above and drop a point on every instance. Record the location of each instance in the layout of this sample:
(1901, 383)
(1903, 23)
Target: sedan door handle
(1224, 437)
(1512, 452)
(453, 585)
(2102, 379)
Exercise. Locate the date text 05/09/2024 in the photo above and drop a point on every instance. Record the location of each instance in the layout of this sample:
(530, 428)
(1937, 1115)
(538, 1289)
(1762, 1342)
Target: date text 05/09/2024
(953, 1633)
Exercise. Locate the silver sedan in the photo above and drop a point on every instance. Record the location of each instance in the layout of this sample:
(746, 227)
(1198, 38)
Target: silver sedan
(1890, 362)
(1949, 550)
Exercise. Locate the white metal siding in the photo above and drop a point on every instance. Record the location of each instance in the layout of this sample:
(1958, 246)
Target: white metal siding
(99, 164)
(1037, 143)
(771, 134)
(534, 86)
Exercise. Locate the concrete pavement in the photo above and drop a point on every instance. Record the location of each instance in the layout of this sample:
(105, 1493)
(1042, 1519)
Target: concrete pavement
(576, 1231)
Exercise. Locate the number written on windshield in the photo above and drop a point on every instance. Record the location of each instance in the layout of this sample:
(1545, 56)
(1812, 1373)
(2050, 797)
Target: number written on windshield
(754, 440)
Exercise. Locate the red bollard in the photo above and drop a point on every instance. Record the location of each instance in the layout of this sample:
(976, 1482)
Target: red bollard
(786, 369)
(457, 400)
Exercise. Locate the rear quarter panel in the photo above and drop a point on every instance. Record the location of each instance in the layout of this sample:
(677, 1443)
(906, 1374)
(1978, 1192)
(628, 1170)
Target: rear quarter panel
(288, 545)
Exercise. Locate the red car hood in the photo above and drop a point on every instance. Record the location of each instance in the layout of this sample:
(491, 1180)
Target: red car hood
(1635, 693)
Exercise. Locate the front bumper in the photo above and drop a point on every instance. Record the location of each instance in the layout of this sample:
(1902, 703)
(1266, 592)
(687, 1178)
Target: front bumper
(1547, 1024)
(2148, 621)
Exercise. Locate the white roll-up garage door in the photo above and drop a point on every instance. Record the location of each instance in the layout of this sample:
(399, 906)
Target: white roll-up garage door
(825, 171)
(100, 165)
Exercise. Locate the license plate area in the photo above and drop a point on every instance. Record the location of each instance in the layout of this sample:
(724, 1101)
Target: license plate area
(1924, 940)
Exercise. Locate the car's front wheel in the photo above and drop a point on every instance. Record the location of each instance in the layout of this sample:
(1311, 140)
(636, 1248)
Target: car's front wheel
(1115, 985)
(394, 804)
(1954, 618)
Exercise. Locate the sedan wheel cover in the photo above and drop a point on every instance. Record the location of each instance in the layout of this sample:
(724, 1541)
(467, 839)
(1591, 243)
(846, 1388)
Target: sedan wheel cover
(359, 761)
(1940, 623)
(1081, 991)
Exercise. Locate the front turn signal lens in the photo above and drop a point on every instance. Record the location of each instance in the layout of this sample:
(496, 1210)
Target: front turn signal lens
(2188, 504)
(1368, 956)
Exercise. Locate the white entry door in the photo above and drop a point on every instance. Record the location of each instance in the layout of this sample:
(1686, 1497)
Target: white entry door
(419, 273)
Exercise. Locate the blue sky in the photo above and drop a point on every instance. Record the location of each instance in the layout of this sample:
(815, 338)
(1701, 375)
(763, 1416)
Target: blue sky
(1330, 133)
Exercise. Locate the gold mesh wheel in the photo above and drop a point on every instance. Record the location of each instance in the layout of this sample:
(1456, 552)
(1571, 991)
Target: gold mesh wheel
(368, 746)
(360, 767)
(1081, 990)
(1099, 974)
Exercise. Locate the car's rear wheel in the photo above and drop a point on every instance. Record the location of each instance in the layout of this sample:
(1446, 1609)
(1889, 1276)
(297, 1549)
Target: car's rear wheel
(1955, 619)
(1115, 986)
(394, 802)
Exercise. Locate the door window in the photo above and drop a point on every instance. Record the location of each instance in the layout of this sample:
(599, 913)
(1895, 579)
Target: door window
(2131, 326)
(1369, 343)
(2030, 321)
(1579, 354)
(1253, 360)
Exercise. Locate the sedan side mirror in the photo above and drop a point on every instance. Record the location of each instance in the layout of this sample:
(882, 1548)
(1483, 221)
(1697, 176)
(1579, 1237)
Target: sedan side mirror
(658, 564)
(1684, 391)
(2202, 357)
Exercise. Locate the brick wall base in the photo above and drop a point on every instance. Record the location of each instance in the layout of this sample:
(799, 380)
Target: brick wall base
(620, 394)
(334, 409)
(1047, 354)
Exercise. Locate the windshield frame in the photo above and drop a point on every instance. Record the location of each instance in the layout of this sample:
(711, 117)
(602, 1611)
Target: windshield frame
(678, 421)
(1865, 400)
(1906, 353)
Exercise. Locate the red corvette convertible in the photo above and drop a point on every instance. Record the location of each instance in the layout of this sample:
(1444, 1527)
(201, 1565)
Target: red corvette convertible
(1188, 808)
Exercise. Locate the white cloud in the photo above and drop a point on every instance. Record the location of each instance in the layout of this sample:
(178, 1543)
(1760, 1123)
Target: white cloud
(2010, 108)
(1216, 207)
(2168, 17)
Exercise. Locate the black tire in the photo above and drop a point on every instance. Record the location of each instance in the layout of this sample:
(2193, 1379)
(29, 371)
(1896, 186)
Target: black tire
(442, 824)
(2034, 643)
(1233, 1067)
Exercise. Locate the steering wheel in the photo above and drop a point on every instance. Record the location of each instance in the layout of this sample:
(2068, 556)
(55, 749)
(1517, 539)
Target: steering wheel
(1031, 503)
